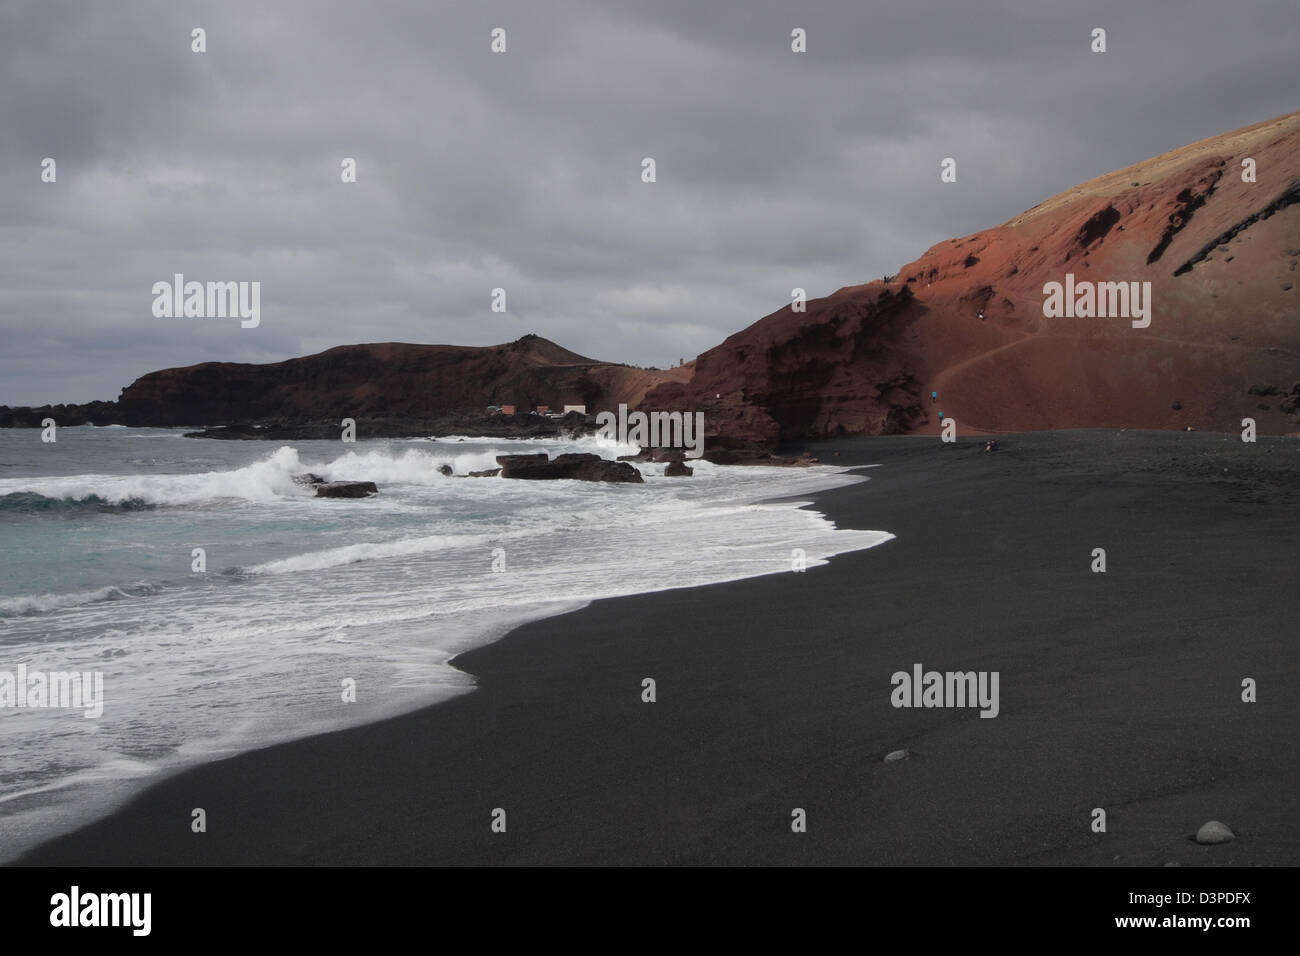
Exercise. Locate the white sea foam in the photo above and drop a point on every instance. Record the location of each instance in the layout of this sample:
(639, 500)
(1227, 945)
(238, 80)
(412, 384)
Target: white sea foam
(271, 479)
(42, 603)
(384, 591)
(368, 551)
(265, 480)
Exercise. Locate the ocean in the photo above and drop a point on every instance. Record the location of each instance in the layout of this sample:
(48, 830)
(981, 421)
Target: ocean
(305, 602)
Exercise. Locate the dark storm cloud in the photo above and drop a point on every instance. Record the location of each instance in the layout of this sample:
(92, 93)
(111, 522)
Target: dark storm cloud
(775, 170)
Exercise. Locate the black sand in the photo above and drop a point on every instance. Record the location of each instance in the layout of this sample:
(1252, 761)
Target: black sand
(1119, 690)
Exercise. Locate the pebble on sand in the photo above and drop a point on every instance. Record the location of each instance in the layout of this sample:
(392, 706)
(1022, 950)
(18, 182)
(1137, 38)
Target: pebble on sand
(896, 755)
(1214, 832)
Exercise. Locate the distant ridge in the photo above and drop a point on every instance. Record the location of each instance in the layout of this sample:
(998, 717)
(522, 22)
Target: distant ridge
(384, 380)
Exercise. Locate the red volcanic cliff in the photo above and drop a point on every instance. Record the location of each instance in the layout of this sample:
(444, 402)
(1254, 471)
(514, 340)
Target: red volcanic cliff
(1223, 342)
(386, 380)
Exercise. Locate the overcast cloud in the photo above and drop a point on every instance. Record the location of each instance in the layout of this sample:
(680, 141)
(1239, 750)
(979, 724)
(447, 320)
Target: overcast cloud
(523, 170)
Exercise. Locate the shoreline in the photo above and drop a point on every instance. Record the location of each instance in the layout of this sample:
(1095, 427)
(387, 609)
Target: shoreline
(1119, 690)
(87, 798)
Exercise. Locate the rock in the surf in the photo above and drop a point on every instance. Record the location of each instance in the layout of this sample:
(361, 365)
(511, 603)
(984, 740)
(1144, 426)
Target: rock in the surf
(580, 467)
(346, 489)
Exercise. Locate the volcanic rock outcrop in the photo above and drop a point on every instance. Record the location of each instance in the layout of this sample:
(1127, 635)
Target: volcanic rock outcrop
(966, 320)
(346, 489)
(583, 467)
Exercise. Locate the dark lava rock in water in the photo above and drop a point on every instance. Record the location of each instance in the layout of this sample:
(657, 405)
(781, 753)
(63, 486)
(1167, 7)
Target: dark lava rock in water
(346, 489)
(578, 467)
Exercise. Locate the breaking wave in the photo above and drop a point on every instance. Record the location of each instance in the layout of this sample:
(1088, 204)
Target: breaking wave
(30, 502)
(30, 604)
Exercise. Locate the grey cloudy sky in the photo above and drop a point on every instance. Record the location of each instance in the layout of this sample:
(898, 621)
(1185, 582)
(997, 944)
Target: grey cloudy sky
(522, 170)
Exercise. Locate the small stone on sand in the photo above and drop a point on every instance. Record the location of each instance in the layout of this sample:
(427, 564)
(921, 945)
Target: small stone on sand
(1214, 832)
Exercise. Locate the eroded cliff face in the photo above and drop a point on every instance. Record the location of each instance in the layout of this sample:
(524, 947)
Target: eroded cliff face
(838, 367)
(387, 380)
(966, 319)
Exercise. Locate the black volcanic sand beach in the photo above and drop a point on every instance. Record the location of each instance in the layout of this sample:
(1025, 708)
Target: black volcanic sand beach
(1119, 690)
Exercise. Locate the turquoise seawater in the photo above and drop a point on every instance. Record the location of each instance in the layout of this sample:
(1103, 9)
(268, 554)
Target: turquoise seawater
(300, 596)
